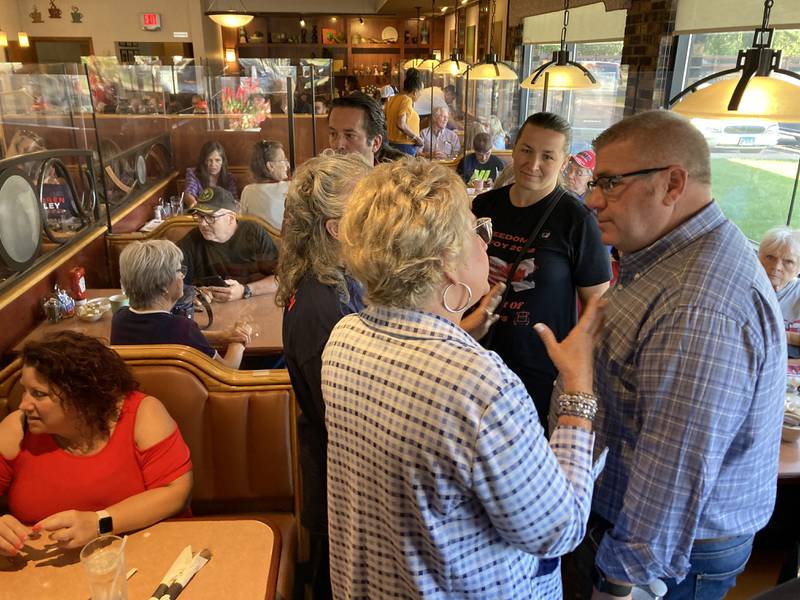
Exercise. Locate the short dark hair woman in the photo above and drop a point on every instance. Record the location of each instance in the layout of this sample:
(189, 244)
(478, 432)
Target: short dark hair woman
(211, 170)
(568, 263)
(85, 445)
(402, 121)
(270, 169)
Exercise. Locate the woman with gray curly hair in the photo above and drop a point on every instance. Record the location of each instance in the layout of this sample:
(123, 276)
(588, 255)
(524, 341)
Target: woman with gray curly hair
(441, 483)
(151, 274)
(779, 254)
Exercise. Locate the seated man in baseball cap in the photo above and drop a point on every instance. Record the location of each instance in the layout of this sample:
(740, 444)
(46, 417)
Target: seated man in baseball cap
(579, 172)
(233, 259)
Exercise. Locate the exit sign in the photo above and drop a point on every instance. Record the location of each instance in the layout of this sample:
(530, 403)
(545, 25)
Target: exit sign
(151, 21)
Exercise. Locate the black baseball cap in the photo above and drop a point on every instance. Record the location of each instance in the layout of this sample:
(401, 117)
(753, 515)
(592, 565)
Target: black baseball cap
(212, 199)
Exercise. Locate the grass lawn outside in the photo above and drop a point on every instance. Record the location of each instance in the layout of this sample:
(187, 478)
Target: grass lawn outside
(755, 193)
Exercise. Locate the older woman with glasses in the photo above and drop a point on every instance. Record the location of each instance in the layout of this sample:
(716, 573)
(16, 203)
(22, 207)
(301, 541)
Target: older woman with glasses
(266, 198)
(152, 276)
(441, 483)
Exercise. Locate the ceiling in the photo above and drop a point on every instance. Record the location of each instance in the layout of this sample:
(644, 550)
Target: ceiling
(408, 7)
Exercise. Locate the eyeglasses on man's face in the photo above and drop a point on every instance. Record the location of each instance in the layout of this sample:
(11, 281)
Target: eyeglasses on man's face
(483, 228)
(208, 219)
(606, 183)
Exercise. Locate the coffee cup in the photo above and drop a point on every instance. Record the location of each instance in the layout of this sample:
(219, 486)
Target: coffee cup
(117, 302)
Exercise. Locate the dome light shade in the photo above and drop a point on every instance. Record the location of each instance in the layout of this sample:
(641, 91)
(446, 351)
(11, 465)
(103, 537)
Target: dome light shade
(452, 66)
(3, 39)
(429, 64)
(559, 78)
(761, 89)
(412, 63)
(230, 19)
(23, 40)
(763, 98)
(492, 69)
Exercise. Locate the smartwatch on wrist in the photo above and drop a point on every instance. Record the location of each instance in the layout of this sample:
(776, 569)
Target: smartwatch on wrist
(104, 523)
(605, 586)
(247, 292)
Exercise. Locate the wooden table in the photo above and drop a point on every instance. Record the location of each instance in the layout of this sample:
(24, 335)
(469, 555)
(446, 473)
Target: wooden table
(260, 311)
(244, 563)
(789, 465)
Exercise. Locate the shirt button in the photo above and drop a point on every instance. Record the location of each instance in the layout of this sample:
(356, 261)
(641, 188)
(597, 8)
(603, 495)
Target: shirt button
(635, 277)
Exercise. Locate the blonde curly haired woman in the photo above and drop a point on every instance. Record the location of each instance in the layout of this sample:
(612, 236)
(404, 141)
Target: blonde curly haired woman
(441, 483)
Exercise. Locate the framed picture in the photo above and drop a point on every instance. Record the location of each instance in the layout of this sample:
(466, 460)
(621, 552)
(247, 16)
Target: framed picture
(329, 36)
(470, 48)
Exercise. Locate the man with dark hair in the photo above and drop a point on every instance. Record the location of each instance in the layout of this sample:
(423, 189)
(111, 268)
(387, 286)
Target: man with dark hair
(480, 164)
(690, 371)
(357, 125)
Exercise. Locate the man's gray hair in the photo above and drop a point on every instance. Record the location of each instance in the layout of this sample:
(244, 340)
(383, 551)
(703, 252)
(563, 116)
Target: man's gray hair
(146, 269)
(781, 239)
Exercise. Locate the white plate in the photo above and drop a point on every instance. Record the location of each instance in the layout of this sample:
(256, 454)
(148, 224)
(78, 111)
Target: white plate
(389, 34)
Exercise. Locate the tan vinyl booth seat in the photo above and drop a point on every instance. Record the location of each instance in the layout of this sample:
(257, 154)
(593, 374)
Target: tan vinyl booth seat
(239, 426)
(173, 229)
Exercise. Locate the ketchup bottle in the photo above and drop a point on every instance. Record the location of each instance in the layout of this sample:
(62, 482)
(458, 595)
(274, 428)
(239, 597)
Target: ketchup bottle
(78, 284)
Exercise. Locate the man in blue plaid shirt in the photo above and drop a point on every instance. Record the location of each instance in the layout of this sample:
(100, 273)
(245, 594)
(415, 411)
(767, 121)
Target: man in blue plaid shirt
(690, 372)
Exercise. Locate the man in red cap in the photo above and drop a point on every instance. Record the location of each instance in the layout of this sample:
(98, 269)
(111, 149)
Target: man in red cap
(579, 172)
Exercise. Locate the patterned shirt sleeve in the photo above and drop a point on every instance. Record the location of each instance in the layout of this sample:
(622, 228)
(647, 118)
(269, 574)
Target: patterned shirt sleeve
(193, 185)
(692, 404)
(537, 496)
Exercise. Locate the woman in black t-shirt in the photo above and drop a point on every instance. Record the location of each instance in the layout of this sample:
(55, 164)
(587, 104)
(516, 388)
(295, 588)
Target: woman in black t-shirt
(567, 260)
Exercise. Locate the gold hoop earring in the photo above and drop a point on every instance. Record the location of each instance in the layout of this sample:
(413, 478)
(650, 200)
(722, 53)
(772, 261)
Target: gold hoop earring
(461, 308)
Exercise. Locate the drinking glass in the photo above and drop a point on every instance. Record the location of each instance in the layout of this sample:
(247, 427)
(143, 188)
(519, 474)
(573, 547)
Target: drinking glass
(104, 562)
(177, 207)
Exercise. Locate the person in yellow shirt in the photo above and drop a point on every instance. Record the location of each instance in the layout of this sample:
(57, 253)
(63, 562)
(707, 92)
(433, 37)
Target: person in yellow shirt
(402, 121)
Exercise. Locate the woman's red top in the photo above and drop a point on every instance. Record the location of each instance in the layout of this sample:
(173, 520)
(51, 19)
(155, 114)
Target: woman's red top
(45, 479)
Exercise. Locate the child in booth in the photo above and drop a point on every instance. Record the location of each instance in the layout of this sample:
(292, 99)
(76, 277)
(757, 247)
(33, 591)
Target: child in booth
(480, 164)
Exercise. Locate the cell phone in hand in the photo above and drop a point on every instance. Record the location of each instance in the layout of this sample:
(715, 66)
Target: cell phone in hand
(213, 281)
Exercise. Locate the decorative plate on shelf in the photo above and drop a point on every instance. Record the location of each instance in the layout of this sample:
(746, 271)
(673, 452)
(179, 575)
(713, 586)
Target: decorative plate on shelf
(389, 34)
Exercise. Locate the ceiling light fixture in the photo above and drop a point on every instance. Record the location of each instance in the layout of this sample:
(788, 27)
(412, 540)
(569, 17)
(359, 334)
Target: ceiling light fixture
(755, 94)
(561, 73)
(229, 17)
(453, 66)
(430, 63)
(491, 68)
(414, 63)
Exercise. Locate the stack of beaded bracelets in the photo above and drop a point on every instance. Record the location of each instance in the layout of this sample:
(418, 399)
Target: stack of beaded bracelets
(577, 404)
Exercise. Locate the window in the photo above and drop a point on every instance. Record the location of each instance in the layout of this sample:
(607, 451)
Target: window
(592, 110)
(754, 163)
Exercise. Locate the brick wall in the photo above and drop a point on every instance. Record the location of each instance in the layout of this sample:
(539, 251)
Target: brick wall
(647, 52)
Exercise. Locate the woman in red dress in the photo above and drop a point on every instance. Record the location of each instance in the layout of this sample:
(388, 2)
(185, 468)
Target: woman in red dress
(86, 453)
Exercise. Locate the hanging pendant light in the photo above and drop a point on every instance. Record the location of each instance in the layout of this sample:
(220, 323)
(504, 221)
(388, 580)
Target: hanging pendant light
(454, 65)
(762, 90)
(561, 73)
(491, 68)
(414, 63)
(3, 39)
(230, 17)
(430, 63)
(23, 40)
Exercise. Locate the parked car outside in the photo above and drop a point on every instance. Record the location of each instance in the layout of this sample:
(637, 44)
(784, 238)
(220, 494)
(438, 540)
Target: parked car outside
(744, 135)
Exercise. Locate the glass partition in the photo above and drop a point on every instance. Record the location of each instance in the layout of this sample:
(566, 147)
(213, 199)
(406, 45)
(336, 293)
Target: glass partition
(48, 143)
